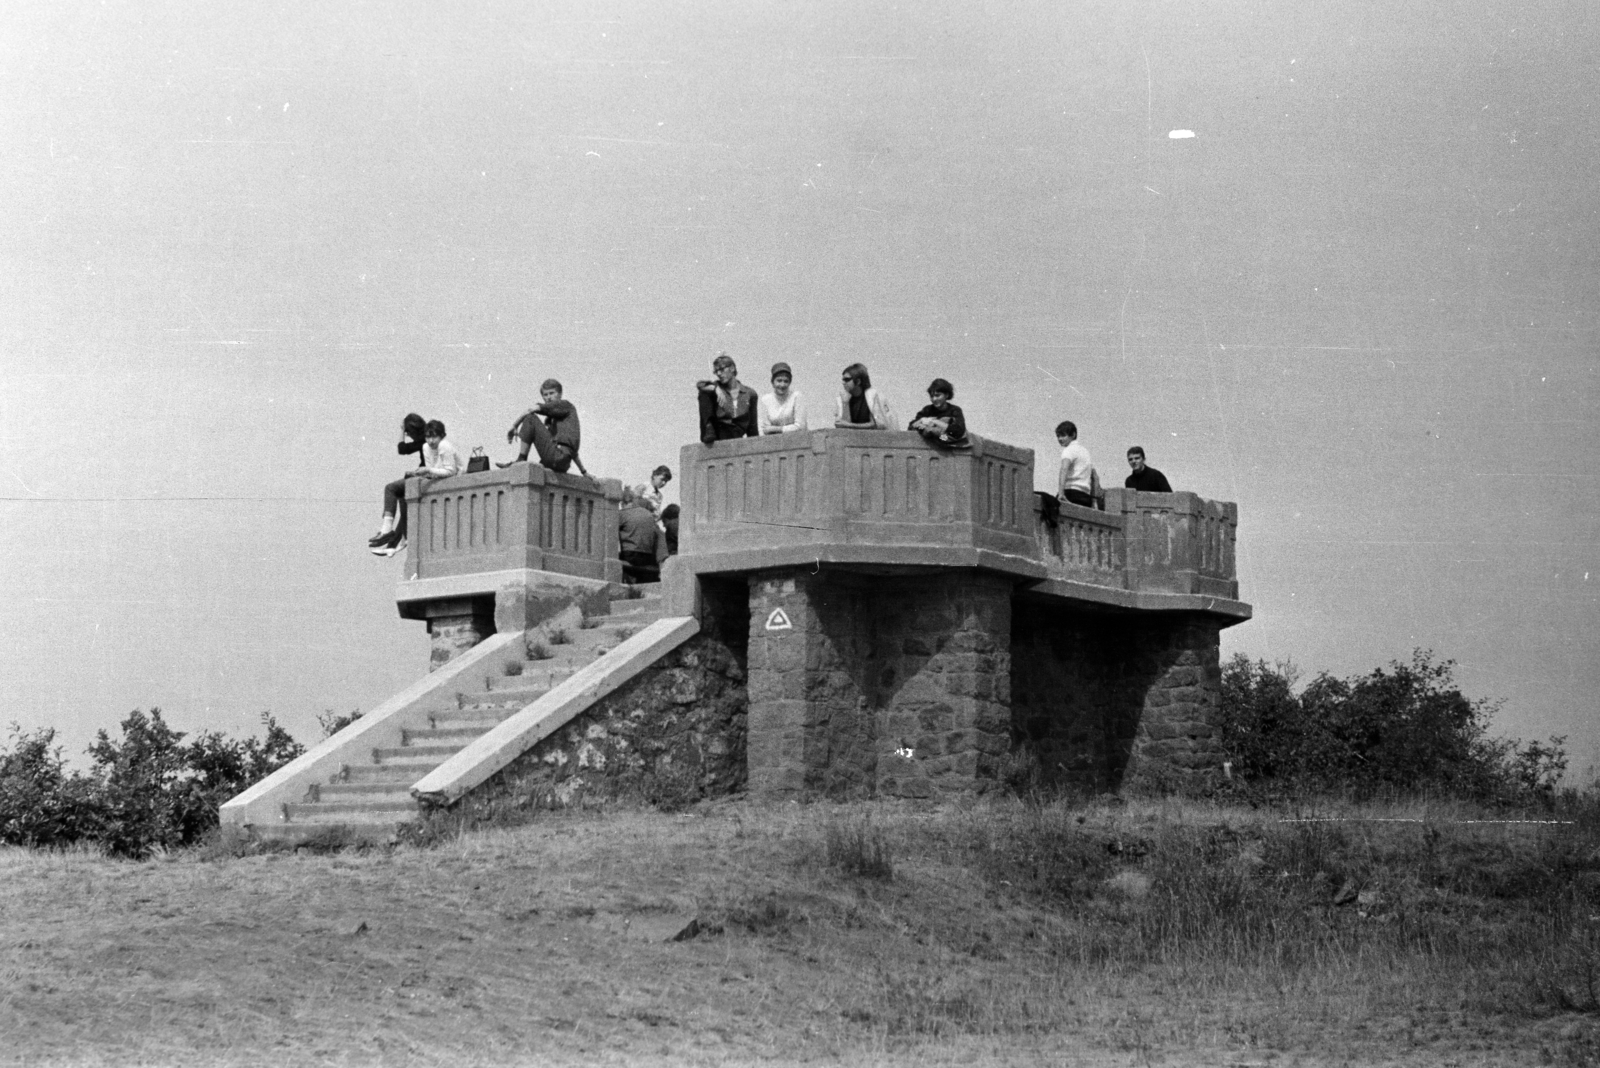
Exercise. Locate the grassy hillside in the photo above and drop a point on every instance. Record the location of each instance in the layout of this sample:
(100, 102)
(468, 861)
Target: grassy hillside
(989, 933)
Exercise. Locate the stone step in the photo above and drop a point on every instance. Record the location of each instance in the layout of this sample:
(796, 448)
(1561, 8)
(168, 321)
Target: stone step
(338, 791)
(406, 773)
(412, 755)
(637, 608)
(480, 719)
(534, 683)
(457, 734)
(487, 704)
(341, 811)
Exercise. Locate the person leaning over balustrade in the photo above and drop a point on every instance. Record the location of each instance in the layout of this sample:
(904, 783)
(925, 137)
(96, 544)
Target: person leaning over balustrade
(550, 429)
(439, 460)
(858, 406)
(1143, 477)
(727, 406)
(941, 422)
(783, 410)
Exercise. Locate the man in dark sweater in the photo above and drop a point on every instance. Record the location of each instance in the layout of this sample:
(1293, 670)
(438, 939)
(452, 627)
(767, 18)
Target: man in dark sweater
(940, 421)
(636, 538)
(550, 430)
(1144, 478)
(727, 406)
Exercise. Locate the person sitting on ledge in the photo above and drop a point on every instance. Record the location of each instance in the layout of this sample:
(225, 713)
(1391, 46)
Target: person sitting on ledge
(858, 406)
(550, 429)
(781, 411)
(941, 422)
(439, 460)
(636, 536)
(727, 406)
(1075, 483)
(1144, 478)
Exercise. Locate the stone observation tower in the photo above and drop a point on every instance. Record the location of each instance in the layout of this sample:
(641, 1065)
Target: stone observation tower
(853, 614)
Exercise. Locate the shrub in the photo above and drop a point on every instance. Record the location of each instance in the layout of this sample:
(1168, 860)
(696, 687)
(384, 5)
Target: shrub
(145, 791)
(539, 651)
(40, 803)
(1405, 728)
(559, 637)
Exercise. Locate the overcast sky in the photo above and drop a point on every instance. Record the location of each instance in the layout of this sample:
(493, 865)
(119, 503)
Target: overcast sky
(240, 241)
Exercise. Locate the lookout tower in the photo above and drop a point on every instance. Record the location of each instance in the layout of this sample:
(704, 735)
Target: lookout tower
(886, 619)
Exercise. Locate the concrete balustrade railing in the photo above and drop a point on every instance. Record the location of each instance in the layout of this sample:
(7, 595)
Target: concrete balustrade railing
(1178, 542)
(784, 495)
(520, 517)
(1082, 545)
(884, 499)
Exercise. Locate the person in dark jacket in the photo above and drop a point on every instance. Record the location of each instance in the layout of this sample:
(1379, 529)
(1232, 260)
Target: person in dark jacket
(550, 430)
(727, 406)
(669, 523)
(636, 538)
(1144, 477)
(940, 421)
(392, 528)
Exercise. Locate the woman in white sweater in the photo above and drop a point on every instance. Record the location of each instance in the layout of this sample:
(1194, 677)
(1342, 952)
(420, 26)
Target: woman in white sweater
(782, 411)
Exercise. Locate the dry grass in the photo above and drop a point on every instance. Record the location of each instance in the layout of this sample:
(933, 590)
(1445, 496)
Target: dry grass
(991, 933)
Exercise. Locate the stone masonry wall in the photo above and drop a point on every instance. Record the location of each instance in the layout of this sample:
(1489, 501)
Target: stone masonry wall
(879, 685)
(1178, 745)
(456, 626)
(1102, 702)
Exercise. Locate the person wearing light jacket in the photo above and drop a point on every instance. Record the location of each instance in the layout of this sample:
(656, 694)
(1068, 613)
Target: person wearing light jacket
(858, 406)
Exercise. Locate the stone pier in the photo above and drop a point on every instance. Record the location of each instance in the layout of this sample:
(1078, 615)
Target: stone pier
(919, 627)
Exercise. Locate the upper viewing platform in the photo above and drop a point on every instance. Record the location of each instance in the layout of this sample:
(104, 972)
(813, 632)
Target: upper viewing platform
(875, 501)
(889, 500)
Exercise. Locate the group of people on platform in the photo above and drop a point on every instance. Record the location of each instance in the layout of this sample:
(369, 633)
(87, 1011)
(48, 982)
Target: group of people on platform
(731, 409)
(728, 409)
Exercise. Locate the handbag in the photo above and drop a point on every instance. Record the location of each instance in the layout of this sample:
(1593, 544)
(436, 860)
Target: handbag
(477, 461)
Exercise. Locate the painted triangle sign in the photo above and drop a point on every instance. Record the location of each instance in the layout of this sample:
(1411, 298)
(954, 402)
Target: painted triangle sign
(779, 620)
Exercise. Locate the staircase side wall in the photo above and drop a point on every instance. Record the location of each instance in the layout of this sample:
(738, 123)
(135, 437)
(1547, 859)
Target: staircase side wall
(673, 735)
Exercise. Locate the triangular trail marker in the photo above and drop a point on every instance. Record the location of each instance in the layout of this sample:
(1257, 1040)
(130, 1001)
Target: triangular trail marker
(779, 620)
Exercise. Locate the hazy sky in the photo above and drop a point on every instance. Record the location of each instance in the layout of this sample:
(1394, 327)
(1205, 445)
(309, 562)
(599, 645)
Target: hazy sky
(240, 241)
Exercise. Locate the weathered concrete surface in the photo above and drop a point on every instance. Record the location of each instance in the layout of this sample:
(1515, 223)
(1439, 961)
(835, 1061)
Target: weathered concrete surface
(881, 499)
(523, 517)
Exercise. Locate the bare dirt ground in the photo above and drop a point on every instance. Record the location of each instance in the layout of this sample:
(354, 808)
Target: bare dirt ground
(549, 944)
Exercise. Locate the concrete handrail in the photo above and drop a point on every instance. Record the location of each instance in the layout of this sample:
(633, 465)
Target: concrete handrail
(263, 803)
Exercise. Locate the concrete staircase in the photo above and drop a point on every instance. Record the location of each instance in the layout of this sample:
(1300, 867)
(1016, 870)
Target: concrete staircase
(370, 800)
